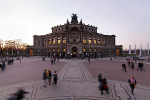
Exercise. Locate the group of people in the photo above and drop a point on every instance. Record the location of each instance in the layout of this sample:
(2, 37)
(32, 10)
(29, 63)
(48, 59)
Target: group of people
(131, 65)
(88, 58)
(2, 66)
(53, 59)
(103, 84)
(141, 66)
(47, 76)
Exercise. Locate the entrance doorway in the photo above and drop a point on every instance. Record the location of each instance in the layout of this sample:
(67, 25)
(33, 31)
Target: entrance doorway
(31, 52)
(74, 51)
(117, 52)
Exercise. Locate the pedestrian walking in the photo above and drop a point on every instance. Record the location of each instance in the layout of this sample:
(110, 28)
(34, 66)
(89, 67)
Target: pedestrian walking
(44, 78)
(3, 66)
(124, 67)
(58, 59)
(132, 64)
(19, 95)
(50, 76)
(55, 78)
(132, 83)
(139, 65)
(52, 61)
(12, 60)
(142, 66)
(128, 62)
(89, 59)
(104, 85)
(99, 80)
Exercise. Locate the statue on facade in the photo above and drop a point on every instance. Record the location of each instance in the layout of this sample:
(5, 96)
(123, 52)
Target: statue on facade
(74, 19)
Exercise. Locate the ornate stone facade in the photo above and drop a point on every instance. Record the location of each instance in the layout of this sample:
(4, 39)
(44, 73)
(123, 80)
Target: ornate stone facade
(74, 39)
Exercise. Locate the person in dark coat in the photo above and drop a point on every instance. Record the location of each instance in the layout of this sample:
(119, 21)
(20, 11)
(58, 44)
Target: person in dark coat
(139, 66)
(132, 83)
(55, 78)
(100, 79)
(124, 67)
(3, 66)
(89, 59)
(132, 64)
(104, 85)
(128, 62)
(50, 77)
(19, 95)
(44, 78)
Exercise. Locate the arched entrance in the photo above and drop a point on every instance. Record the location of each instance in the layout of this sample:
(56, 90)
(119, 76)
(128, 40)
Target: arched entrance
(117, 52)
(74, 51)
(31, 52)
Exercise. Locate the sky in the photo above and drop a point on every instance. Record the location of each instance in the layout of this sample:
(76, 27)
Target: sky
(129, 20)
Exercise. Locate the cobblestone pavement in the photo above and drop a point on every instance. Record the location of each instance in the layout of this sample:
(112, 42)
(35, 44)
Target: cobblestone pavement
(77, 82)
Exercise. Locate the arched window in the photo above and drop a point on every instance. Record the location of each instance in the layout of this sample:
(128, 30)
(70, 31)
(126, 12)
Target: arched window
(53, 40)
(49, 41)
(90, 40)
(84, 40)
(94, 40)
(64, 40)
(99, 41)
(58, 40)
(102, 41)
(46, 42)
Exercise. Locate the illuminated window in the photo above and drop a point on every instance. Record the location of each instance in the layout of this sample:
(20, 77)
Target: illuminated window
(53, 50)
(58, 49)
(49, 50)
(84, 49)
(90, 49)
(84, 40)
(45, 42)
(64, 40)
(94, 49)
(102, 41)
(64, 50)
(94, 40)
(49, 41)
(99, 41)
(90, 40)
(99, 50)
(58, 40)
(53, 40)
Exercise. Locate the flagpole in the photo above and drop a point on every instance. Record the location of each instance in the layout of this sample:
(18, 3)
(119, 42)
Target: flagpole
(135, 50)
(148, 48)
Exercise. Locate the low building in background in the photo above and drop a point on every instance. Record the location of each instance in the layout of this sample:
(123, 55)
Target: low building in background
(74, 39)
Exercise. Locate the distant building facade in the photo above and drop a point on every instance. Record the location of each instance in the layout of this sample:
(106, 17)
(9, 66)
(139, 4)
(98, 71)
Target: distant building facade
(74, 39)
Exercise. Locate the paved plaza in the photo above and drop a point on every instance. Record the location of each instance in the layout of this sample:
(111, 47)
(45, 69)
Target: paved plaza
(77, 80)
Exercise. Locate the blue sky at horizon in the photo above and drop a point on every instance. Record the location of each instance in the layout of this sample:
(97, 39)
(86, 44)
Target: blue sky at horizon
(129, 20)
